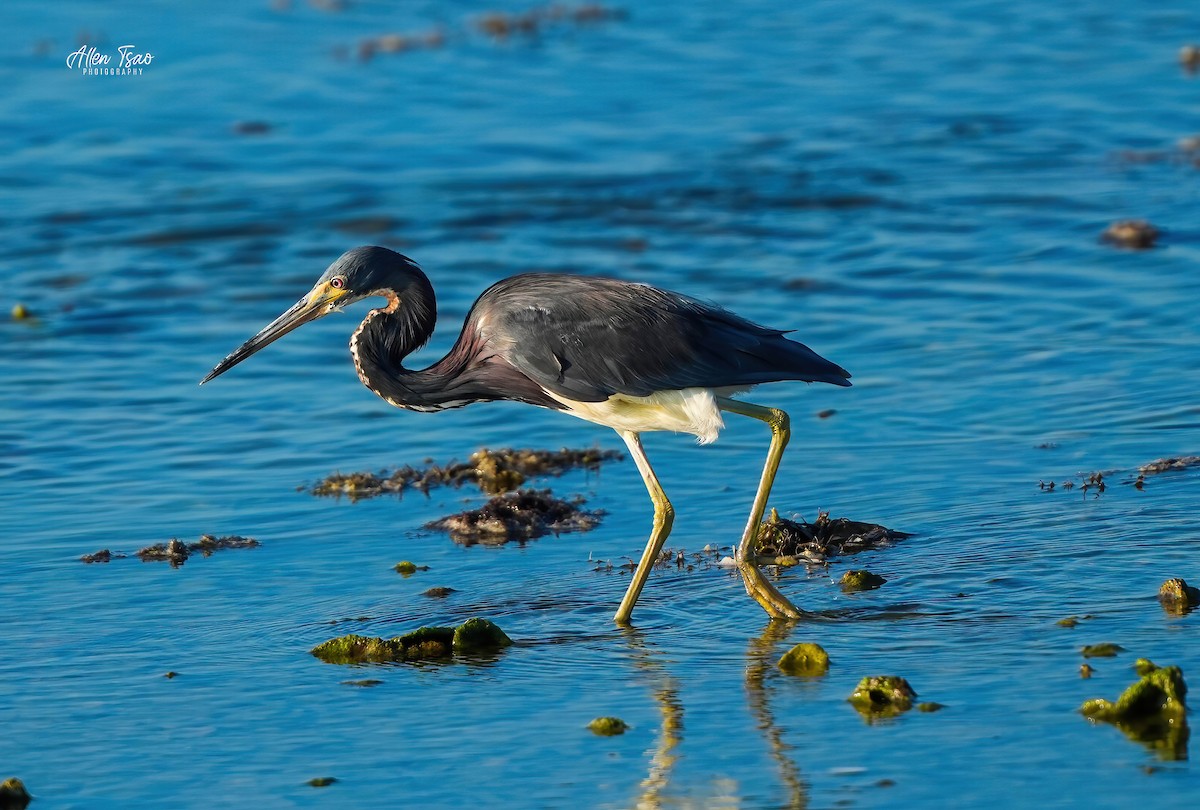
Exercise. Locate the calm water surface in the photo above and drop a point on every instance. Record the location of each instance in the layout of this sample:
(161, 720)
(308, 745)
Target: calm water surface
(916, 188)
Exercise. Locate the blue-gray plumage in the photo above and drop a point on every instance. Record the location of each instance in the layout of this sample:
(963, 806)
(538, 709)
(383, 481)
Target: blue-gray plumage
(622, 354)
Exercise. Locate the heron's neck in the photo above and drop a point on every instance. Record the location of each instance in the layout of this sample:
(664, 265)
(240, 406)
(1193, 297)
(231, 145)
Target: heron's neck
(387, 336)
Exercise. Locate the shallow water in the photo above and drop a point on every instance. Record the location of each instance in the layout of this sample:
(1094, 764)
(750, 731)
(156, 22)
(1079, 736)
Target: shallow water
(918, 190)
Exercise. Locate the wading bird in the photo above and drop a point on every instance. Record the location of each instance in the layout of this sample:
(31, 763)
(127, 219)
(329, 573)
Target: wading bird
(621, 354)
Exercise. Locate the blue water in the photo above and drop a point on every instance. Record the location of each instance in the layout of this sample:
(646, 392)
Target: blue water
(918, 189)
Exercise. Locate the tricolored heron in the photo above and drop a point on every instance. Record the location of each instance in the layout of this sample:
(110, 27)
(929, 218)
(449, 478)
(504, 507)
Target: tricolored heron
(626, 355)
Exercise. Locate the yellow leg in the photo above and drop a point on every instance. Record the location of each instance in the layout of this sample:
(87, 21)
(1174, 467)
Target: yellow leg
(773, 602)
(664, 517)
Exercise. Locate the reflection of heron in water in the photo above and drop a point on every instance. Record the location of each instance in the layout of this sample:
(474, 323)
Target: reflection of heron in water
(670, 735)
(629, 356)
(761, 658)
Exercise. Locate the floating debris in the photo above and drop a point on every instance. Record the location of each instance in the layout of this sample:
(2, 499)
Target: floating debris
(806, 659)
(406, 568)
(499, 26)
(608, 726)
(1086, 670)
(101, 556)
(860, 580)
(1152, 711)
(438, 593)
(368, 47)
(473, 636)
(13, 795)
(251, 128)
(368, 224)
(929, 707)
(321, 781)
(209, 544)
(1176, 596)
(365, 683)
(1163, 465)
(20, 312)
(1189, 58)
(170, 674)
(521, 515)
(1136, 234)
(882, 696)
(176, 552)
(677, 558)
(1095, 482)
(1089, 482)
(825, 414)
(502, 25)
(493, 472)
(815, 542)
(1103, 650)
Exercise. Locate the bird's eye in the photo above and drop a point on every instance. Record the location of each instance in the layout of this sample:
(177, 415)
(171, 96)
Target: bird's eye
(337, 282)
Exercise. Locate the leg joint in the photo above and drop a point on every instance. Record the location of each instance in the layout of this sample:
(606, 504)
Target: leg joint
(664, 515)
(779, 421)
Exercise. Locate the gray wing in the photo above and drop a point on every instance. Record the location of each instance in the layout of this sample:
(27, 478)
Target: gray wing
(589, 338)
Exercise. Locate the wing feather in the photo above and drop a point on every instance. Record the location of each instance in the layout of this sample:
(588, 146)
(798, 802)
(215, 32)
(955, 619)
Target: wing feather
(586, 338)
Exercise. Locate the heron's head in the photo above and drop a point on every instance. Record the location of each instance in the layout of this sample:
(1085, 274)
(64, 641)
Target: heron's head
(357, 274)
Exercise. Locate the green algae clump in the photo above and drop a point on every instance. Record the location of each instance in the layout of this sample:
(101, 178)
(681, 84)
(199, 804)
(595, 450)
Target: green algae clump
(1144, 666)
(321, 781)
(1152, 711)
(406, 567)
(1103, 650)
(356, 649)
(13, 795)
(477, 635)
(1177, 597)
(806, 659)
(882, 696)
(860, 580)
(425, 643)
(608, 726)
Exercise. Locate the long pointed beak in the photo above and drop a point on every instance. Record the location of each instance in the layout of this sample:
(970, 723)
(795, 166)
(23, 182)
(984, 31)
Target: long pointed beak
(316, 304)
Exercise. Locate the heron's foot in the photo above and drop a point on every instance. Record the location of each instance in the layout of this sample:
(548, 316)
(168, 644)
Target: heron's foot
(762, 591)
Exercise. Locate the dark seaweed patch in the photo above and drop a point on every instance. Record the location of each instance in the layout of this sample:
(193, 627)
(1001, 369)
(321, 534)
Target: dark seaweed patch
(521, 515)
(492, 471)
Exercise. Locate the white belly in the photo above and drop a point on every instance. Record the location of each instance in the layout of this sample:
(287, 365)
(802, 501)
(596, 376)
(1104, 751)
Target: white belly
(690, 410)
